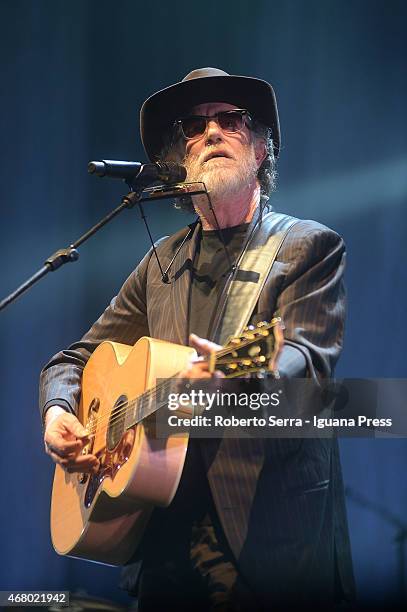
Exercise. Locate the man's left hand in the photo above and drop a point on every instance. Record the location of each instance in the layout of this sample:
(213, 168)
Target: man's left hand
(199, 368)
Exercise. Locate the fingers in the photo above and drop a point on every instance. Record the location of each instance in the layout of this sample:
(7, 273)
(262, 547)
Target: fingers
(65, 429)
(218, 374)
(196, 369)
(72, 461)
(83, 463)
(203, 346)
(73, 426)
(65, 439)
(63, 448)
(72, 464)
(278, 332)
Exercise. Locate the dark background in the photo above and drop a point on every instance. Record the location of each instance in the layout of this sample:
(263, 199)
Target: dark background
(73, 77)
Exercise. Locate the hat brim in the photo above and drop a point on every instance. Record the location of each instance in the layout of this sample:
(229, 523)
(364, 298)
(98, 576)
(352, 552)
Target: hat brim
(160, 110)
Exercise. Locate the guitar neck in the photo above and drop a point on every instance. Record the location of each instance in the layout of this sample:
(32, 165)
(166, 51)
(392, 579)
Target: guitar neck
(247, 354)
(148, 402)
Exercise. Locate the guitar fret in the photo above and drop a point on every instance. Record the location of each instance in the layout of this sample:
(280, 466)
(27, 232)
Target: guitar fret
(148, 403)
(157, 398)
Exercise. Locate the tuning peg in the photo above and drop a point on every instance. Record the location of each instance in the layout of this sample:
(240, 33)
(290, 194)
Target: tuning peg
(254, 350)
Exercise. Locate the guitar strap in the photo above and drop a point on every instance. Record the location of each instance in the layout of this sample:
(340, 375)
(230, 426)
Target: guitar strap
(242, 291)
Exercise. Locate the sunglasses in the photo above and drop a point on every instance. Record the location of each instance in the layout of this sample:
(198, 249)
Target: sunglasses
(231, 121)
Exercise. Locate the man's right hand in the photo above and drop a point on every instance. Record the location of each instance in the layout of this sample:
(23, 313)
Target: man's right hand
(65, 438)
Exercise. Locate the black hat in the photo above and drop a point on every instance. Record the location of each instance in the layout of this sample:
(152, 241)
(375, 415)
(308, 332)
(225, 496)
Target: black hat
(160, 110)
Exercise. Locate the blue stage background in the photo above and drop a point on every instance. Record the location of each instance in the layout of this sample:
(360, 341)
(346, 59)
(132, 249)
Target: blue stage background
(73, 77)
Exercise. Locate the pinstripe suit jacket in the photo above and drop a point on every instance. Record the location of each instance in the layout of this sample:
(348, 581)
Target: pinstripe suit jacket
(280, 501)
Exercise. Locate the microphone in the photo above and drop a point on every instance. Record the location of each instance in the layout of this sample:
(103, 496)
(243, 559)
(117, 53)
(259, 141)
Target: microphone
(167, 172)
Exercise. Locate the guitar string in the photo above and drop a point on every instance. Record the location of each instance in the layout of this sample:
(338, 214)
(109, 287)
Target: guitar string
(145, 397)
(148, 395)
(153, 390)
(72, 507)
(77, 502)
(102, 429)
(143, 400)
(142, 411)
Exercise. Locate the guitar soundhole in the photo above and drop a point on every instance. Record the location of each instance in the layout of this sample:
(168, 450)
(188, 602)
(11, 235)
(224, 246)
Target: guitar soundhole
(116, 423)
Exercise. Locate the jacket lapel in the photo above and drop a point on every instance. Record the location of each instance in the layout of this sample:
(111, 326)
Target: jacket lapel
(180, 279)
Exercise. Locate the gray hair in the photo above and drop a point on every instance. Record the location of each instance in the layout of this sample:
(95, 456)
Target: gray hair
(173, 150)
(267, 173)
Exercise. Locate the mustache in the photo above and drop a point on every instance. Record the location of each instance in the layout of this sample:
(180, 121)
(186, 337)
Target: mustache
(209, 153)
(222, 180)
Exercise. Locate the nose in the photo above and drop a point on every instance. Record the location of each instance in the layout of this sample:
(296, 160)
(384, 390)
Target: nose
(213, 132)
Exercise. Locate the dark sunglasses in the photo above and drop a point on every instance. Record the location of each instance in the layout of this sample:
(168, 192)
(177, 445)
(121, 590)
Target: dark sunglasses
(229, 121)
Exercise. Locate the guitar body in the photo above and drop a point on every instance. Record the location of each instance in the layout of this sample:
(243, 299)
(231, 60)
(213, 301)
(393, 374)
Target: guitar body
(102, 517)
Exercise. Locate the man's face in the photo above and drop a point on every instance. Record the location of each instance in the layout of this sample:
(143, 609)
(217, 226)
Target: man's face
(226, 162)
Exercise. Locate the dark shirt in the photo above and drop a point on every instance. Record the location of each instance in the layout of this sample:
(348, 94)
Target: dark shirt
(210, 273)
(193, 505)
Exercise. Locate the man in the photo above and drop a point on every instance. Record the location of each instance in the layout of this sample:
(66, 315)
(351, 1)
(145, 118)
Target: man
(255, 523)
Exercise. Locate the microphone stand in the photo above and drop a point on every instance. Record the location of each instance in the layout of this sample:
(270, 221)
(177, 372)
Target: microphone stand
(138, 194)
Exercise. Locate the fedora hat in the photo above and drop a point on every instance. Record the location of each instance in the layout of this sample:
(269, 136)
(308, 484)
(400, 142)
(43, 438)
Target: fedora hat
(160, 110)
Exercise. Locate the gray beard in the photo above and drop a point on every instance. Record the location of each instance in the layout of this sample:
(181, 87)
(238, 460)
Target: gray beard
(222, 179)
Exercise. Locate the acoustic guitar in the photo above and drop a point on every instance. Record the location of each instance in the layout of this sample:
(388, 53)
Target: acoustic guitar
(102, 516)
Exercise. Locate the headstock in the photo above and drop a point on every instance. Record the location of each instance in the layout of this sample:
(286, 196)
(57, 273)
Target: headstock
(255, 351)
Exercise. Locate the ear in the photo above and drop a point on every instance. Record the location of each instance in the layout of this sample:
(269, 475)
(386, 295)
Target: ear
(260, 151)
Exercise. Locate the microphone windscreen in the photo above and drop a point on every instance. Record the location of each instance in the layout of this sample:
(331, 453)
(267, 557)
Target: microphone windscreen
(172, 172)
